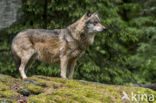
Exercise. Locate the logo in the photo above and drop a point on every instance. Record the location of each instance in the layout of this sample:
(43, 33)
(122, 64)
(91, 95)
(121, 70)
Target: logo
(139, 97)
(125, 95)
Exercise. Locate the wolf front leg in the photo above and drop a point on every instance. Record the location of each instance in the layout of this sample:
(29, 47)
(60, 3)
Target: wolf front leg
(64, 63)
(71, 66)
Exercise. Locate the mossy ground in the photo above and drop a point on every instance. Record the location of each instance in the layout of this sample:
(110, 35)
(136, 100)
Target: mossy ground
(6, 94)
(57, 90)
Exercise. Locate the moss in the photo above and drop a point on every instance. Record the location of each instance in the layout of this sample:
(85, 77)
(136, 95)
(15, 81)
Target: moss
(3, 87)
(33, 85)
(73, 91)
(34, 89)
(7, 101)
(56, 85)
(5, 91)
(58, 90)
(7, 80)
(24, 92)
(9, 94)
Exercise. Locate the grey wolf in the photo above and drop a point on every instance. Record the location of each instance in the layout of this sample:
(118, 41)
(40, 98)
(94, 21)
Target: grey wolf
(62, 46)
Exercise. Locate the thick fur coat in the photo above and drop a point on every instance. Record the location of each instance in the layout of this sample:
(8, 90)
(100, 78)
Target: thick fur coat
(62, 46)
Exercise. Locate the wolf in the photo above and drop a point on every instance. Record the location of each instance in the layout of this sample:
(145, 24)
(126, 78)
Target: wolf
(60, 46)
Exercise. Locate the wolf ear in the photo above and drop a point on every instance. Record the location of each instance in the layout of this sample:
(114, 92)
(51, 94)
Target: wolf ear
(96, 13)
(88, 13)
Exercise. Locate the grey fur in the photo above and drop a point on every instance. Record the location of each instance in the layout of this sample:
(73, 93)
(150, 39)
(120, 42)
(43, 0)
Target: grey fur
(62, 46)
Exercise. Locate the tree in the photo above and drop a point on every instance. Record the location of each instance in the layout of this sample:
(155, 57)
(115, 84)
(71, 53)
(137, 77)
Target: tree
(119, 55)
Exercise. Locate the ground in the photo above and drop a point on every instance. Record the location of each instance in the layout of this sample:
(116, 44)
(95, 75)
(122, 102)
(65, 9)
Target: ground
(42, 89)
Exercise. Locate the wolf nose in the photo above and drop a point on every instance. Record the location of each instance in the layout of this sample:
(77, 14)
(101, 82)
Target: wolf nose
(104, 28)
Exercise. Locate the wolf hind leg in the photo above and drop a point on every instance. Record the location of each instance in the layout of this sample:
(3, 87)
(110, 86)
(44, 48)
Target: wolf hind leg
(25, 62)
(21, 69)
(30, 62)
(17, 60)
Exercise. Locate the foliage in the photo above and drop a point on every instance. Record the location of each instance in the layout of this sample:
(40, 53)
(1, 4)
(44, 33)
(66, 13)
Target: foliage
(125, 53)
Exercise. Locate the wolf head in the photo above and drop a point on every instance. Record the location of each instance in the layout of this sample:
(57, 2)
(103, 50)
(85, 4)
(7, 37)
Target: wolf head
(92, 22)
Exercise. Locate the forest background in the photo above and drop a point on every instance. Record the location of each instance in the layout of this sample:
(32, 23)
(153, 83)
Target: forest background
(125, 53)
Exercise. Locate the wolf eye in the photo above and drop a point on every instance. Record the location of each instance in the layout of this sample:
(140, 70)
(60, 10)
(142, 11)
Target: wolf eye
(95, 22)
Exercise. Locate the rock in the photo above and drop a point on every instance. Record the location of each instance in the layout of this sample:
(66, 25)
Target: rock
(3, 76)
(150, 86)
(33, 82)
(24, 92)
(6, 101)
(8, 12)
(28, 89)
